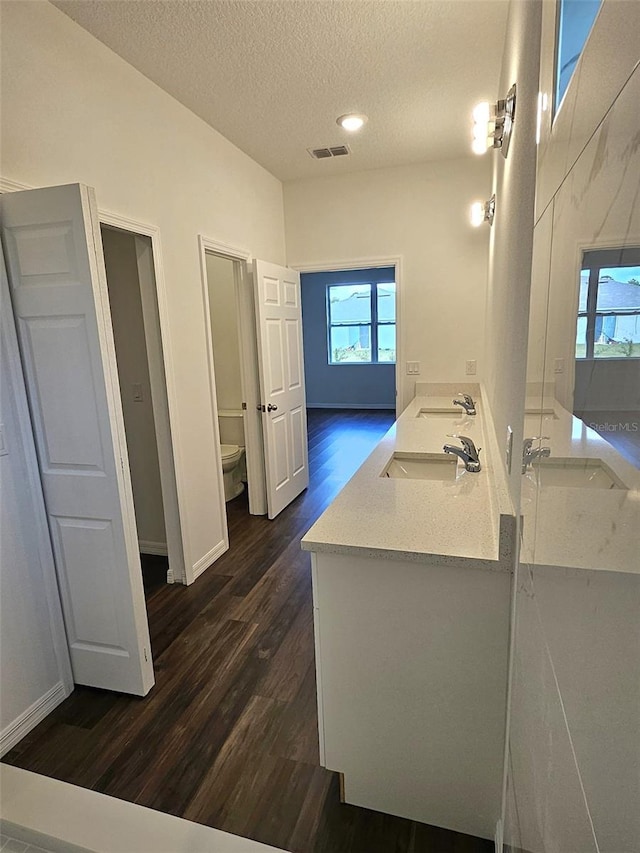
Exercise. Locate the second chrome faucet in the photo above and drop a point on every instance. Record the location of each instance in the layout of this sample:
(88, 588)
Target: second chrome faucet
(466, 402)
(468, 453)
(531, 453)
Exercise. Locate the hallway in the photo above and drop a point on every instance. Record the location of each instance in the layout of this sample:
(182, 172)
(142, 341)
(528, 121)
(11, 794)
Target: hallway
(228, 736)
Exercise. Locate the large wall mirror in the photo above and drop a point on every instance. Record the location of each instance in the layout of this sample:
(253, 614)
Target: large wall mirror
(574, 759)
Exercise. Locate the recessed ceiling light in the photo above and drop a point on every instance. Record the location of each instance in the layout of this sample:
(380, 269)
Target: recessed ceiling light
(351, 121)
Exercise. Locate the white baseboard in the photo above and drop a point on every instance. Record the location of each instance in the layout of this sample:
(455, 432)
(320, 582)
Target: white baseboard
(155, 548)
(210, 557)
(34, 714)
(389, 406)
(498, 837)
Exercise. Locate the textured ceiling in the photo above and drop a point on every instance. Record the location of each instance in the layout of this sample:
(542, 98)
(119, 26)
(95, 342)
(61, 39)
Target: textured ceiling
(273, 75)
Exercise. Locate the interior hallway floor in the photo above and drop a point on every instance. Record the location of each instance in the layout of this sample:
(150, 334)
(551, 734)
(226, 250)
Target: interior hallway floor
(228, 735)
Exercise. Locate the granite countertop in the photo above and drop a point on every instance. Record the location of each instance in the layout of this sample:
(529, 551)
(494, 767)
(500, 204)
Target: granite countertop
(467, 521)
(579, 528)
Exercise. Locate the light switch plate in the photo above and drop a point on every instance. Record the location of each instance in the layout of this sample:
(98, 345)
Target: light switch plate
(3, 447)
(138, 396)
(470, 367)
(413, 368)
(558, 365)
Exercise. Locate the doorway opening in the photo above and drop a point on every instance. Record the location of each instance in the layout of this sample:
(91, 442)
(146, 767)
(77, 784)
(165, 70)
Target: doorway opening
(268, 335)
(135, 319)
(350, 321)
(231, 330)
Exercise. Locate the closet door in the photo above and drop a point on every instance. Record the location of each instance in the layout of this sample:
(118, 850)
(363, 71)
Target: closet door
(281, 369)
(58, 289)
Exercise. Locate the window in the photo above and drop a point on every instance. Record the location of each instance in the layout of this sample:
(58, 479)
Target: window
(575, 20)
(361, 323)
(609, 305)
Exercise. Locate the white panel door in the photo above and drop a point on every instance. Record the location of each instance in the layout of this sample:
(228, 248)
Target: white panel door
(52, 246)
(281, 368)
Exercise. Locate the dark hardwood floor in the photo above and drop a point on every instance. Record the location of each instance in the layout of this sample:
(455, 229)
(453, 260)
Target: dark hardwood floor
(228, 735)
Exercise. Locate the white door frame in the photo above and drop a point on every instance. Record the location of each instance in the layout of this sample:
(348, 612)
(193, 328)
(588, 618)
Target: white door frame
(163, 397)
(154, 313)
(254, 449)
(372, 263)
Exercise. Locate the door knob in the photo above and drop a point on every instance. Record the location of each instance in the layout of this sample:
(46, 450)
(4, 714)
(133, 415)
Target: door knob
(272, 408)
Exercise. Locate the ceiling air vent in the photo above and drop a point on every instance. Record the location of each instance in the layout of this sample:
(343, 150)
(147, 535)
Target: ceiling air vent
(325, 153)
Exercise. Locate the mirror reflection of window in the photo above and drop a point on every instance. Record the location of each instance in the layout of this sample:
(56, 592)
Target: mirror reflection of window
(607, 375)
(609, 305)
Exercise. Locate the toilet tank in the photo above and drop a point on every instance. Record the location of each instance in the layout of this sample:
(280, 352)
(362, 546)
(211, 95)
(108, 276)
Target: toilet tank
(231, 423)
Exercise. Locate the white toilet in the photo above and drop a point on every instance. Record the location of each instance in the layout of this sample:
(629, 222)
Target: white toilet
(231, 424)
(231, 470)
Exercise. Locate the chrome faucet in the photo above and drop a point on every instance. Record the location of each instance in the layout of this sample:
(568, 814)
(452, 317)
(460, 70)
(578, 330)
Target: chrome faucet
(467, 453)
(467, 403)
(531, 453)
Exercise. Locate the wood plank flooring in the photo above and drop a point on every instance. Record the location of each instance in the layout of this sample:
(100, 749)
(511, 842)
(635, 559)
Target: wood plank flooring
(228, 735)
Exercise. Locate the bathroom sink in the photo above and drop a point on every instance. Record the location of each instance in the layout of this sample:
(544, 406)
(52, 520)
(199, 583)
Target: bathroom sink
(439, 466)
(575, 473)
(454, 412)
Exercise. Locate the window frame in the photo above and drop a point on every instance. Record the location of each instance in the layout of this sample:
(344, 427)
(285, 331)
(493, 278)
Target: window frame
(374, 323)
(595, 261)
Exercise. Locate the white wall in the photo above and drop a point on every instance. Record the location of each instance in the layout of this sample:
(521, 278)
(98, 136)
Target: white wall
(33, 659)
(133, 369)
(224, 331)
(421, 214)
(74, 111)
(512, 234)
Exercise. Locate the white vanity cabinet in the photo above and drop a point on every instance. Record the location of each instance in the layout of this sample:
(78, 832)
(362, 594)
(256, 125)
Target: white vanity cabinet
(411, 665)
(411, 586)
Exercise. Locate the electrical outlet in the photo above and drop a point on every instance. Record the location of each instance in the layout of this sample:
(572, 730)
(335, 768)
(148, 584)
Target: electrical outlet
(558, 365)
(509, 449)
(413, 368)
(470, 367)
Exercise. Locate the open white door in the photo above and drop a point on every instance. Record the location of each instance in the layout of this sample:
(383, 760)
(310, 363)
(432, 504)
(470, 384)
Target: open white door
(58, 287)
(281, 368)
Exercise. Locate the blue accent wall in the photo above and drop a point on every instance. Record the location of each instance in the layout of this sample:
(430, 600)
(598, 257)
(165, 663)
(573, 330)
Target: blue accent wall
(340, 385)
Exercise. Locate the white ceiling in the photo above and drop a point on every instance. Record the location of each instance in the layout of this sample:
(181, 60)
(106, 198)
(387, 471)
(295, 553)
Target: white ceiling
(273, 75)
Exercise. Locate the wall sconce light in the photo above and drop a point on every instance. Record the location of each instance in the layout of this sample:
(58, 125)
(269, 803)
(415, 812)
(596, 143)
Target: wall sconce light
(492, 124)
(483, 212)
